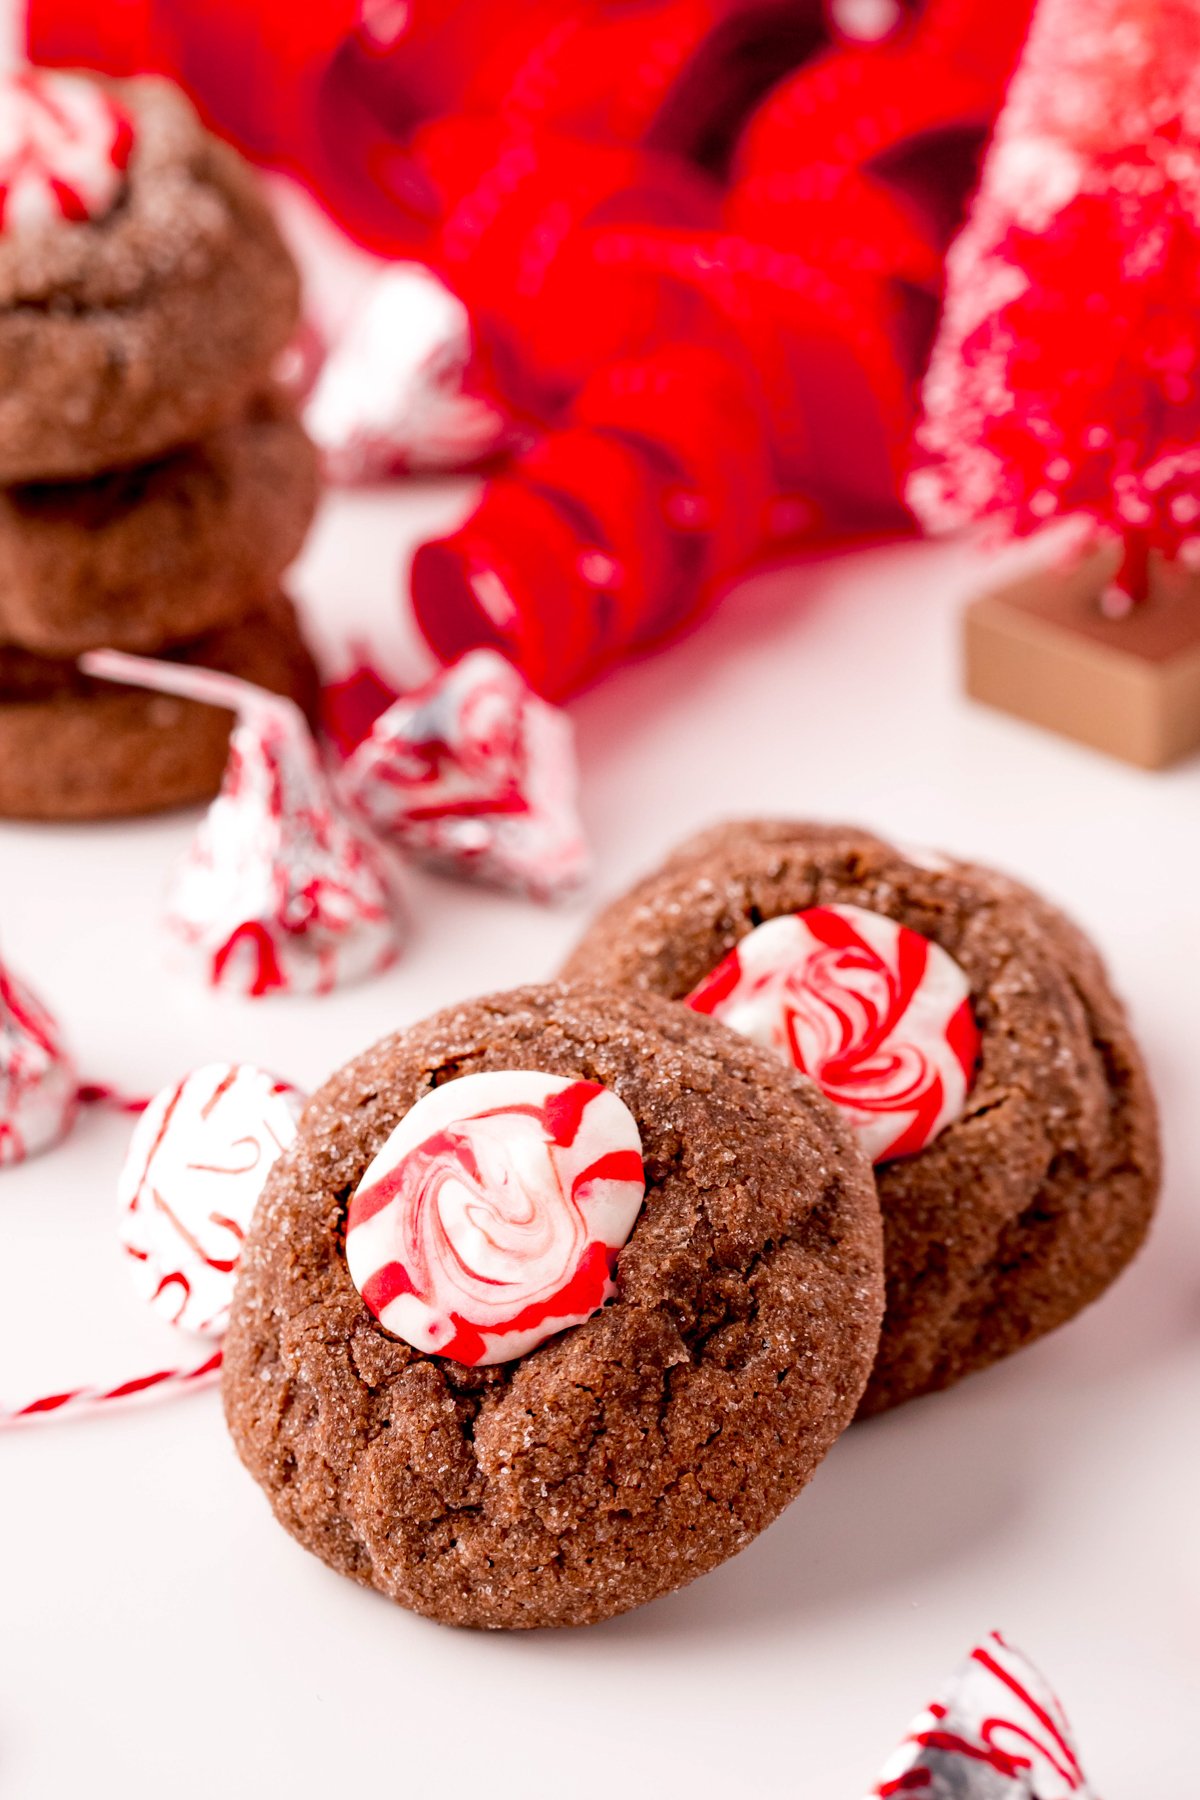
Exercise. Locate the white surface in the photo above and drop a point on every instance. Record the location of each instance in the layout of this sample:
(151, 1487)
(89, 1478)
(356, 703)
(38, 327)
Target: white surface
(159, 1633)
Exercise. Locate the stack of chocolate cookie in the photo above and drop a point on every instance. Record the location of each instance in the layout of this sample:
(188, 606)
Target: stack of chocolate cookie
(155, 482)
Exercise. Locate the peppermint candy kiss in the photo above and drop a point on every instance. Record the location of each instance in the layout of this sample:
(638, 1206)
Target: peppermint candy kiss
(278, 892)
(195, 1168)
(392, 395)
(64, 148)
(492, 1216)
(475, 775)
(879, 1016)
(39, 1088)
(997, 1733)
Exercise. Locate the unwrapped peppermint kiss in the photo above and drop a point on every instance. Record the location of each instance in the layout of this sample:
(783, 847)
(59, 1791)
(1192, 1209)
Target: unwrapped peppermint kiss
(195, 1167)
(39, 1088)
(475, 775)
(492, 1217)
(64, 149)
(279, 892)
(190, 1182)
(879, 1016)
(997, 1733)
(391, 394)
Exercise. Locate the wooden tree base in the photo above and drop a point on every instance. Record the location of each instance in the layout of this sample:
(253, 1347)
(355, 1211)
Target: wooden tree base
(1042, 649)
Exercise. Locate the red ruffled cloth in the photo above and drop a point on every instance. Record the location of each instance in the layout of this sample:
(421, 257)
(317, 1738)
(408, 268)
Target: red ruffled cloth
(700, 241)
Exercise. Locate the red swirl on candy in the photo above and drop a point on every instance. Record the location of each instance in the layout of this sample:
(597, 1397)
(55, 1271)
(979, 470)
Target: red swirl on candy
(879, 1016)
(492, 1216)
(195, 1168)
(64, 148)
(196, 1165)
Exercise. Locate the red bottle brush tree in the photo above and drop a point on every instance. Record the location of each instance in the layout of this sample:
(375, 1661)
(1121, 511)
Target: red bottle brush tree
(1064, 380)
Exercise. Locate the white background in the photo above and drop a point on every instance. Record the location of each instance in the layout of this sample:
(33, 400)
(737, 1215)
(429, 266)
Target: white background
(159, 1634)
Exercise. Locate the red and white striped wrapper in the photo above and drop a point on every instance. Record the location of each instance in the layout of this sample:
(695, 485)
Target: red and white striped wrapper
(39, 1089)
(998, 1732)
(475, 776)
(280, 892)
(393, 395)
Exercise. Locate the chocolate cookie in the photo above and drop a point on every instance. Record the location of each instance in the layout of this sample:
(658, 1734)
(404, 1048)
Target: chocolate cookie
(144, 287)
(626, 1455)
(75, 748)
(162, 553)
(1027, 1205)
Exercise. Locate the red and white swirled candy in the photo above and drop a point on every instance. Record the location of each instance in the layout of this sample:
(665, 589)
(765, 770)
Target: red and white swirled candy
(195, 1168)
(39, 1089)
(879, 1016)
(492, 1216)
(64, 149)
(998, 1733)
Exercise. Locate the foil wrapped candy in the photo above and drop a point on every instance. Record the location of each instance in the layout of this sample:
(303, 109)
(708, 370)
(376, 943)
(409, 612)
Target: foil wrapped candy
(39, 1086)
(997, 1732)
(474, 775)
(392, 395)
(279, 891)
(287, 886)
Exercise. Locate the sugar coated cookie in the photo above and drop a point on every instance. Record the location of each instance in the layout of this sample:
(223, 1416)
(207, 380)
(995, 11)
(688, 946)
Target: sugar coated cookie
(556, 1301)
(144, 286)
(1016, 1137)
(160, 554)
